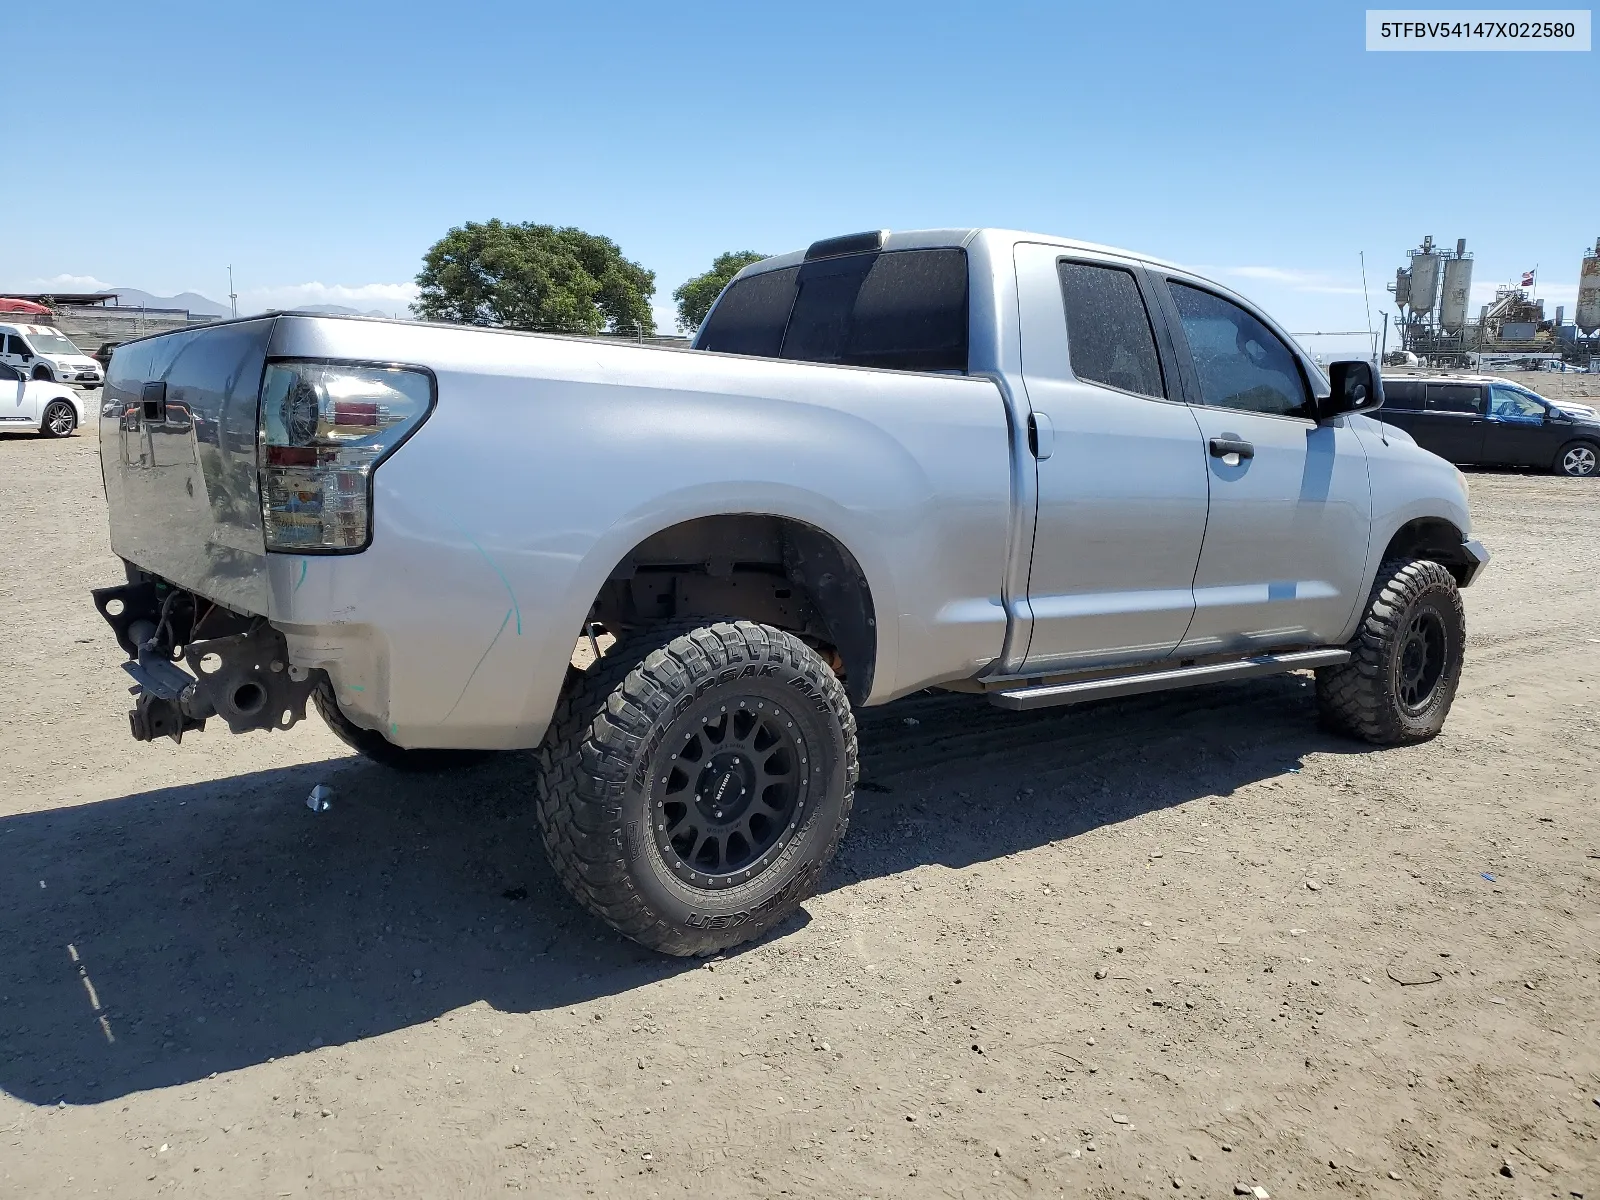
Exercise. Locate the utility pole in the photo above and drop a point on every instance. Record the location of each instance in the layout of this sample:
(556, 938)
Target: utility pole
(233, 296)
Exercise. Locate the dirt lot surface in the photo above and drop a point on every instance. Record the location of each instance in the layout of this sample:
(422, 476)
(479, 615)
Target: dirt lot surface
(1163, 946)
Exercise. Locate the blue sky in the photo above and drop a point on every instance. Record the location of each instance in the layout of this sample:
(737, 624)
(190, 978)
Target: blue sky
(321, 147)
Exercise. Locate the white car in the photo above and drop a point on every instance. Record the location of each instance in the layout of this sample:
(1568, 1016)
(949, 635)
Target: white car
(38, 405)
(45, 353)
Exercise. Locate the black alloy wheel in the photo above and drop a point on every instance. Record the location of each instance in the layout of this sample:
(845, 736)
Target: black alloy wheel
(1422, 660)
(734, 792)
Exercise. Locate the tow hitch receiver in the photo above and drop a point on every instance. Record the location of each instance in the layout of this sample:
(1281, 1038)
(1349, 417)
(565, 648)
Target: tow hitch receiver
(241, 675)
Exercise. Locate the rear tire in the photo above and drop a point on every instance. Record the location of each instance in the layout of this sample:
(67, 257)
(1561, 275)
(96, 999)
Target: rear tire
(1578, 460)
(60, 420)
(1406, 659)
(369, 743)
(696, 781)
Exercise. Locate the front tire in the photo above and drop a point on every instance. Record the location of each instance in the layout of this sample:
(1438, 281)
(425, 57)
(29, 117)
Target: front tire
(369, 743)
(1578, 460)
(1406, 659)
(43, 374)
(60, 419)
(696, 782)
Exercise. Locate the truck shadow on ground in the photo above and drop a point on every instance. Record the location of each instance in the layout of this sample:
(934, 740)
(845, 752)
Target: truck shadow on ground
(155, 939)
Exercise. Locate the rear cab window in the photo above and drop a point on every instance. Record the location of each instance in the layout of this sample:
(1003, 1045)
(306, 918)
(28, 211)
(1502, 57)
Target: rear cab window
(903, 310)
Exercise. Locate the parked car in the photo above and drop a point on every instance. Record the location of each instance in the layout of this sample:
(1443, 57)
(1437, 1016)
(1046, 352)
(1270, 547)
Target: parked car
(1483, 420)
(1032, 469)
(103, 355)
(49, 408)
(42, 352)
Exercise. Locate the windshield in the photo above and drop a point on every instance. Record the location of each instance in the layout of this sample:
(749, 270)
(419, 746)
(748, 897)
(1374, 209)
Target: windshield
(51, 343)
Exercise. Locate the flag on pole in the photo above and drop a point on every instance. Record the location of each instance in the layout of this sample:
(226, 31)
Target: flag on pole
(1527, 279)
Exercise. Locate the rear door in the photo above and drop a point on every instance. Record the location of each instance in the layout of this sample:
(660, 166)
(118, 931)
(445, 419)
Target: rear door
(1402, 408)
(1455, 421)
(1291, 506)
(1121, 470)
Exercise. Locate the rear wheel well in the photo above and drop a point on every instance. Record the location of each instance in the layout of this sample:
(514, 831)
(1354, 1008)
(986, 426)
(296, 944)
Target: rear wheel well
(768, 569)
(1432, 538)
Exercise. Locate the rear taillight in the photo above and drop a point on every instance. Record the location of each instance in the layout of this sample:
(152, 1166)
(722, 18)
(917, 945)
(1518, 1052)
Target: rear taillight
(324, 427)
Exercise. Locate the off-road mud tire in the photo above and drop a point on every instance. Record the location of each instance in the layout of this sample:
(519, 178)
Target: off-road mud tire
(369, 743)
(1364, 697)
(612, 745)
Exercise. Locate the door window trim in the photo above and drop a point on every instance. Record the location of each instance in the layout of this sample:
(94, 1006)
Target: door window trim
(1164, 363)
(1191, 379)
(1166, 358)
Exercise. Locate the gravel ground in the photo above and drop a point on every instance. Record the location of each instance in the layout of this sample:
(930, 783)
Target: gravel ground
(1164, 946)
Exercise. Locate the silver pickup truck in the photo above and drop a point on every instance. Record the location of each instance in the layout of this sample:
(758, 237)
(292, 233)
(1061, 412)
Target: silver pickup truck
(1035, 470)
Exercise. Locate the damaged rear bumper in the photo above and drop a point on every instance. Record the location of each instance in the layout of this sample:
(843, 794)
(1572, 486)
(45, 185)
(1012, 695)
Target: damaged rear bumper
(239, 668)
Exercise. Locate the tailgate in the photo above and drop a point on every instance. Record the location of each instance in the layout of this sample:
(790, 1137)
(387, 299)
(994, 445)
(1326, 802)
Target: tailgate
(178, 450)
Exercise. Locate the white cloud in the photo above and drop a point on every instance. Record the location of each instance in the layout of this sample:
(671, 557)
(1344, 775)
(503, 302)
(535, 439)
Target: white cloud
(388, 297)
(1298, 280)
(64, 283)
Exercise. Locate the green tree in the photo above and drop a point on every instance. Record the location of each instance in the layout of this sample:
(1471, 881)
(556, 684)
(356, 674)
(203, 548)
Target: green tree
(534, 277)
(696, 296)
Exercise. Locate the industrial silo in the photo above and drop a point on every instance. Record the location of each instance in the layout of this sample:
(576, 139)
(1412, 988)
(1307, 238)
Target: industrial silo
(1588, 313)
(1402, 287)
(1457, 290)
(1424, 278)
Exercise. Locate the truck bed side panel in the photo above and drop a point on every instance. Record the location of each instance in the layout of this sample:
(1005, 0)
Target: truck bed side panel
(548, 459)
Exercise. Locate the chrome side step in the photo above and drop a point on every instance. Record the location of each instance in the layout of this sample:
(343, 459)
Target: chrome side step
(1105, 688)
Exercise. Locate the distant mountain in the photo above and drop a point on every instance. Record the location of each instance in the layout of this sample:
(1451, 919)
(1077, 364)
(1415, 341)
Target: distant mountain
(193, 301)
(339, 310)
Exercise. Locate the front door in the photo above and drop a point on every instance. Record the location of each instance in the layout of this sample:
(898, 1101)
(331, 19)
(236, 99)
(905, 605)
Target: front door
(1285, 548)
(1120, 468)
(1515, 432)
(18, 402)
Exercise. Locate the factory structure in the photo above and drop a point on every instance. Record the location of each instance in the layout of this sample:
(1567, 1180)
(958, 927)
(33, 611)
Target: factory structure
(1433, 294)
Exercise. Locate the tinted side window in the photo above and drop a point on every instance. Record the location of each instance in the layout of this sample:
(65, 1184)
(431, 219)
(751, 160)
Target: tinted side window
(750, 318)
(1402, 393)
(1239, 361)
(9, 373)
(1109, 337)
(1455, 397)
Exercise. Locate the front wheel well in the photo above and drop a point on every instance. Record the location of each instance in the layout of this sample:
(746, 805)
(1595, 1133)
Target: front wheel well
(1432, 538)
(773, 570)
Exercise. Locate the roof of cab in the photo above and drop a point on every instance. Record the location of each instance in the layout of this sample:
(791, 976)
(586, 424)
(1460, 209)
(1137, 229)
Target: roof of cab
(931, 239)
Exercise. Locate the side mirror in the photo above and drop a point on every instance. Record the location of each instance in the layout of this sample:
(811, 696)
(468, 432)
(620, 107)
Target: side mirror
(1356, 388)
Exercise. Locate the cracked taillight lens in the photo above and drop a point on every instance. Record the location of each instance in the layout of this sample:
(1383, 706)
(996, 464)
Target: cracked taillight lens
(323, 428)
